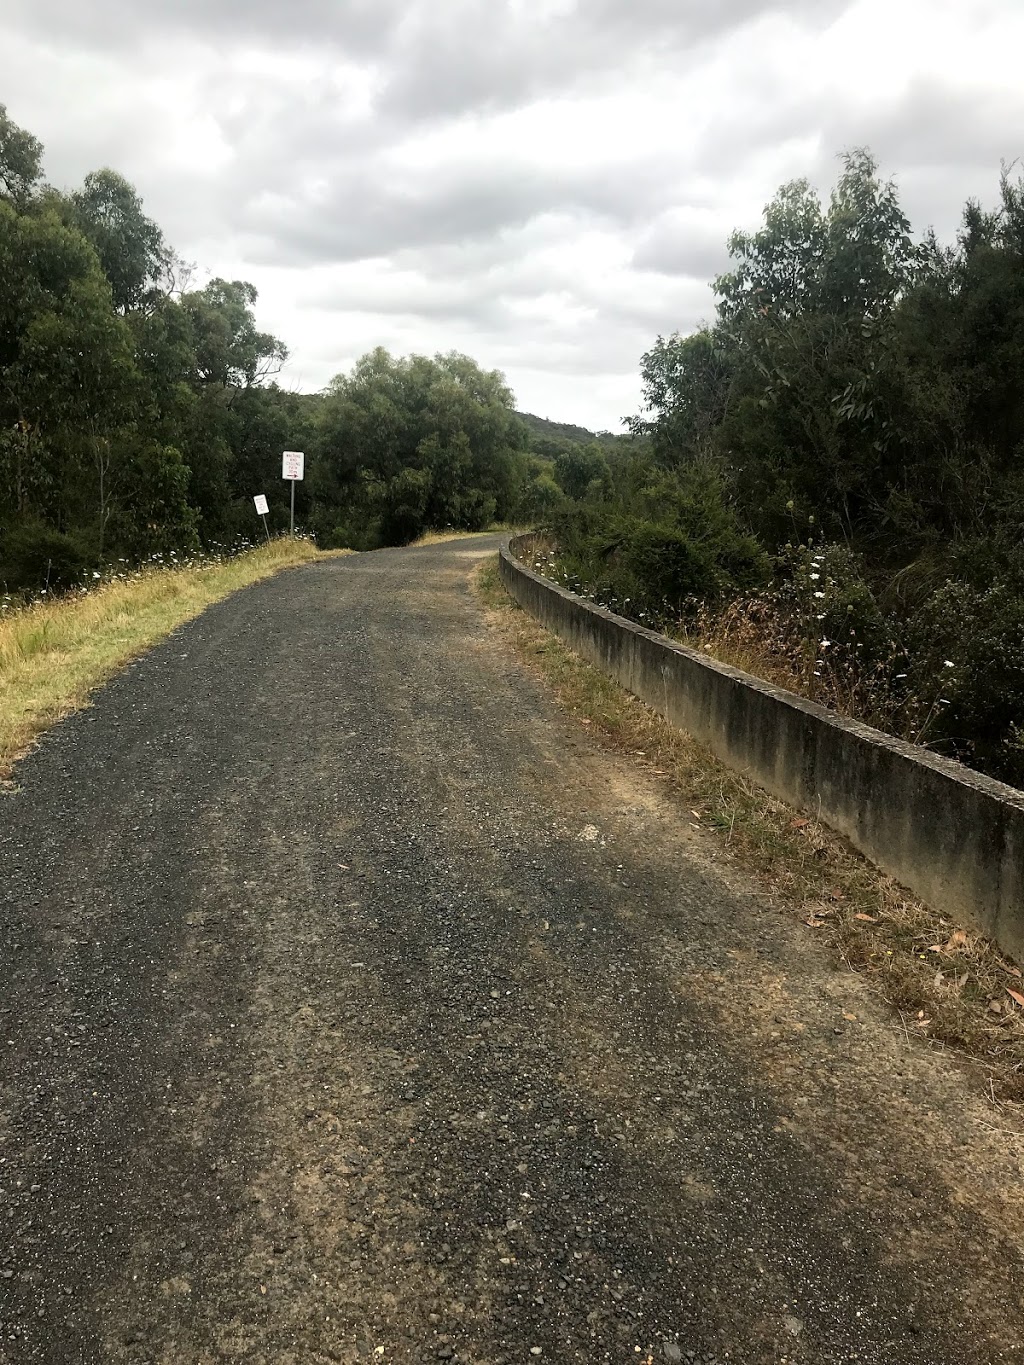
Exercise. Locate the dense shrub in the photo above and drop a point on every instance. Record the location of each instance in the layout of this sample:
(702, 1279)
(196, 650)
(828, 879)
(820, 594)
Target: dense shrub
(973, 640)
(33, 556)
(668, 543)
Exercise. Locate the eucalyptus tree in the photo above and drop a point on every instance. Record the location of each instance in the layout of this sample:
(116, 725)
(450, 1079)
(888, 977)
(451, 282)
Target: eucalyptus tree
(21, 161)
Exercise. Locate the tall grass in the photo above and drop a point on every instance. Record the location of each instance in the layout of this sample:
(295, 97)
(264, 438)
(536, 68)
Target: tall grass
(53, 653)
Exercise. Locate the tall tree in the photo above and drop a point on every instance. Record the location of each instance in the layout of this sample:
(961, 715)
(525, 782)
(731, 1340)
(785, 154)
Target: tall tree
(129, 244)
(407, 443)
(21, 161)
(231, 353)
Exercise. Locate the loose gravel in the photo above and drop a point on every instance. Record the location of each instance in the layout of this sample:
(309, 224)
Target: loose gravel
(356, 1007)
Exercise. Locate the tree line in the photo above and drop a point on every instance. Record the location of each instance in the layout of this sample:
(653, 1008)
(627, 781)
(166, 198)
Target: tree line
(841, 449)
(139, 413)
(836, 457)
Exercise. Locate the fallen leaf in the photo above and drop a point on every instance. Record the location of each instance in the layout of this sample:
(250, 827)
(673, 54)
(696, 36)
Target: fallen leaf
(813, 923)
(1016, 995)
(871, 919)
(936, 948)
(1012, 971)
(957, 938)
(961, 981)
(995, 1007)
(798, 823)
(695, 814)
(852, 1017)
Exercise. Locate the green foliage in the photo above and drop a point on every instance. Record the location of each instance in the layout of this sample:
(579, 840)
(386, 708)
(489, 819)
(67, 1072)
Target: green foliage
(21, 161)
(409, 444)
(130, 246)
(548, 439)
(661, 543)
(129, 422)
(140, 416)
(540, 496)
(581, 470)
(229, 351)
(863, 389)
(972, 638)
(36, 553)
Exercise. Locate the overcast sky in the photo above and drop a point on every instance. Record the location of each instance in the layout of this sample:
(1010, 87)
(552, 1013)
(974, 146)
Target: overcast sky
(546, 185)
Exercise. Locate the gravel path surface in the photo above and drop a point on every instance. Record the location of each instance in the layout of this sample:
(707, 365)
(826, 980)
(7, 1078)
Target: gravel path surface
(356, 1006)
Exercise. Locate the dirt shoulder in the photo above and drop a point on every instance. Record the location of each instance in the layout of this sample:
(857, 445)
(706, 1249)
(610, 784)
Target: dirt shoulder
(949, 985)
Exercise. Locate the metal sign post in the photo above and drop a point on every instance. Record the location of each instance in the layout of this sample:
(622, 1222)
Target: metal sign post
(262, 508)
(292, 466)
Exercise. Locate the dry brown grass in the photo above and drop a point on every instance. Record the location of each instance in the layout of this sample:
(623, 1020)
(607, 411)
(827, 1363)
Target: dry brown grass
(54, 654)
(949, 985)
(439, 537)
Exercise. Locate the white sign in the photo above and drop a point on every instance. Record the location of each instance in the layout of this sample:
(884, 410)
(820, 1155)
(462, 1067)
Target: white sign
(262, 506)
(291, 465)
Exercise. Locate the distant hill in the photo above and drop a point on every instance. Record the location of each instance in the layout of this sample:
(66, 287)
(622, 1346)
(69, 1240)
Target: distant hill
(543, 431)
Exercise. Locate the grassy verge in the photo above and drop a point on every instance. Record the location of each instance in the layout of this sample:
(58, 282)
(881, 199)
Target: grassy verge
(949, 986)
(53, 654)
(439, 537)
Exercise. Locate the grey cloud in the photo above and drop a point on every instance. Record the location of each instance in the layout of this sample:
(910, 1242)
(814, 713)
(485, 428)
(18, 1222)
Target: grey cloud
(364, 219)
(481, 54)
(418, 297)
(436, 58)
(361, 27)
(931, 125)
(529, 300)
(683, 243)
(655, 317)
(374, 209)
(941, 146)
(303, 174)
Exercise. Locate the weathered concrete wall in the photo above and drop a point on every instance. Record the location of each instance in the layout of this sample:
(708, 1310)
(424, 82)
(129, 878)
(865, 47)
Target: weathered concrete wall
(954, 837)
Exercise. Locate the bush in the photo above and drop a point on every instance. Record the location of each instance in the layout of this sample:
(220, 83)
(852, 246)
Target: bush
(33, 555)
(973, 640)
(671, 541)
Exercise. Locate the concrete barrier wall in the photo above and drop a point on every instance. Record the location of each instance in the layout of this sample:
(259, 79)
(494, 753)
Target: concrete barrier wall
(952, 836)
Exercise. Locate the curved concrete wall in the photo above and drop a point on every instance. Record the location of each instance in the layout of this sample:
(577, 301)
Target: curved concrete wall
(954, 837)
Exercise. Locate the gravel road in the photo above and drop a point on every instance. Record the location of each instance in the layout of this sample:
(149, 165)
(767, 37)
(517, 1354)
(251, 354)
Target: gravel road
(356, 1006)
